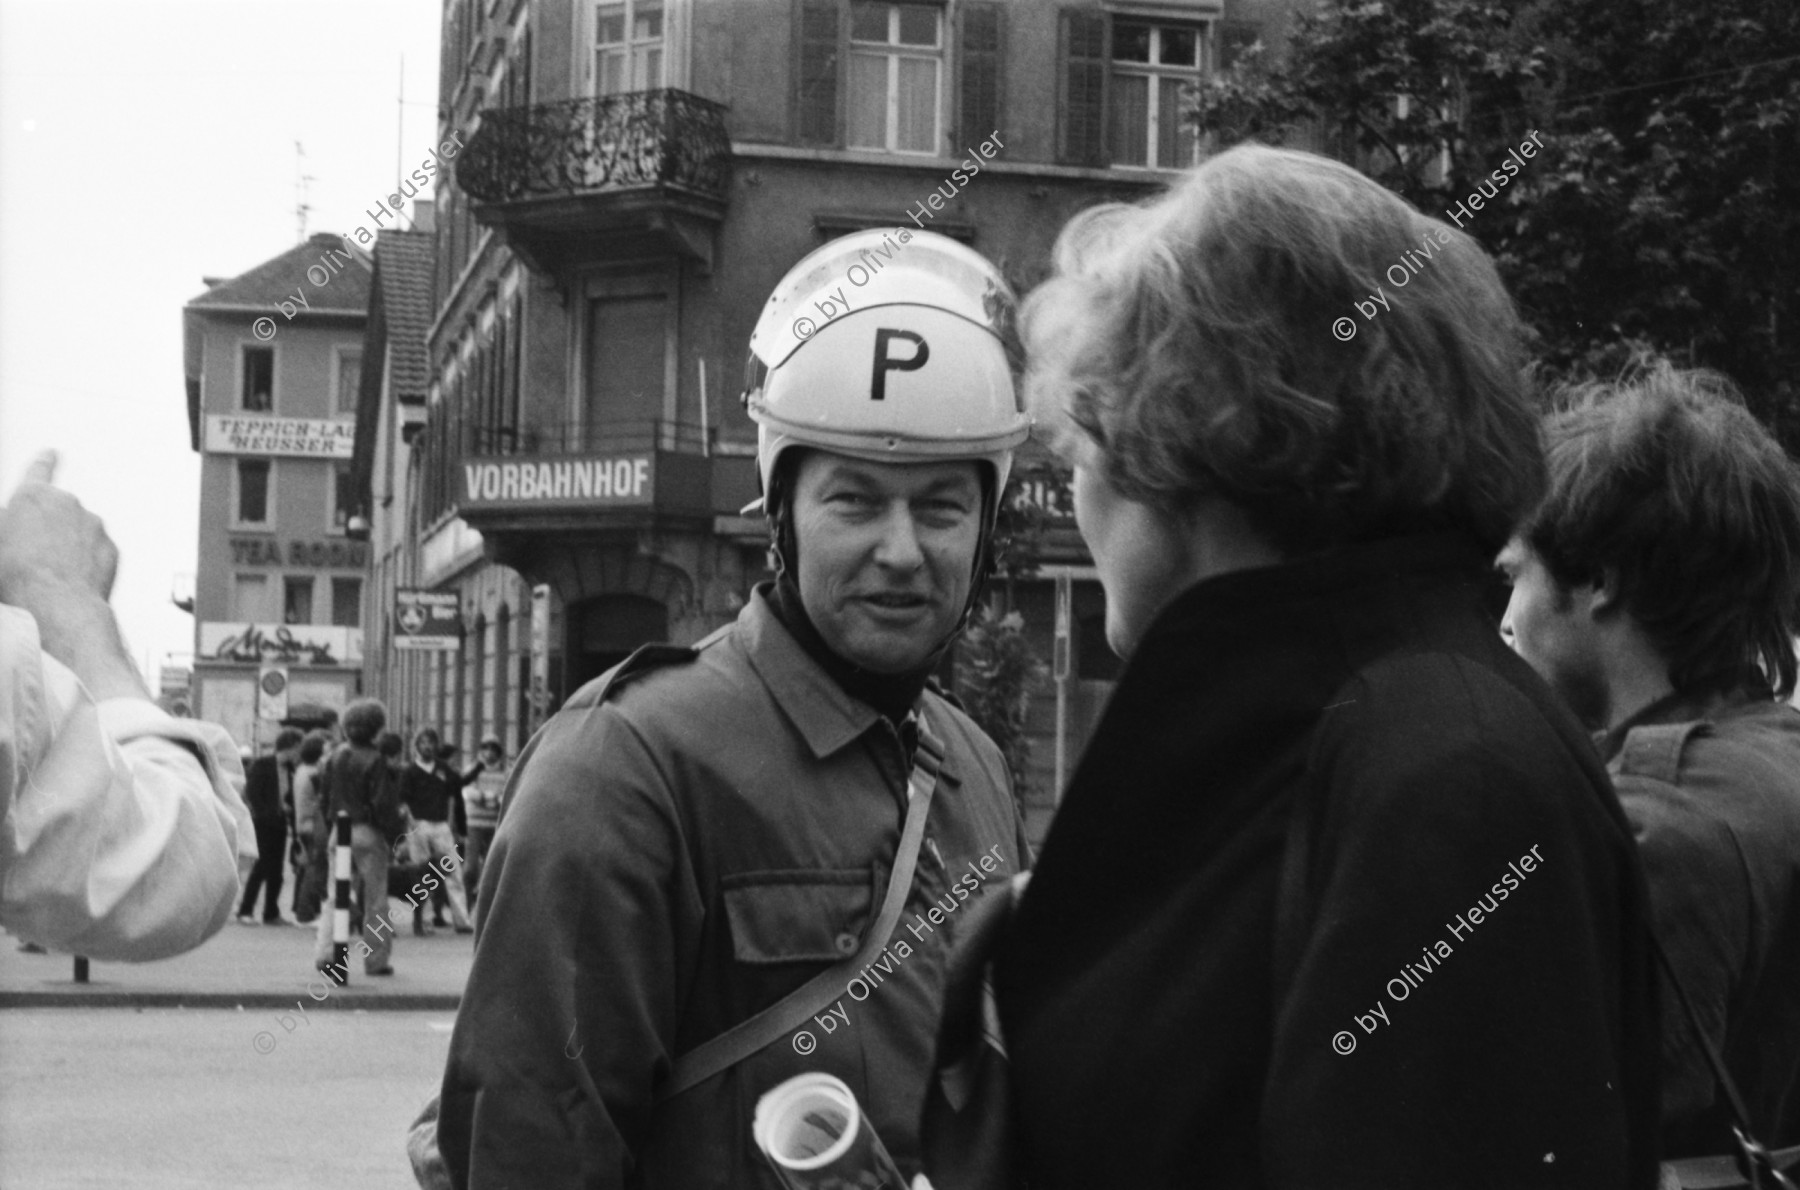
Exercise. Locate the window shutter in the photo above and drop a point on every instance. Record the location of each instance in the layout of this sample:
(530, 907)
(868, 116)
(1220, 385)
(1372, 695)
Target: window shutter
(1085, 60)
(981, 46)
(818, 82)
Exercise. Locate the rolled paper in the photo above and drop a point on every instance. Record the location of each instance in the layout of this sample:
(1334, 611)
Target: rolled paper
(812, 1132)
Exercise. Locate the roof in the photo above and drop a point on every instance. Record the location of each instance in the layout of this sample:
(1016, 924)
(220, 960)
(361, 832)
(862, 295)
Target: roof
(400, 314)
(345, 289)
(404, 264)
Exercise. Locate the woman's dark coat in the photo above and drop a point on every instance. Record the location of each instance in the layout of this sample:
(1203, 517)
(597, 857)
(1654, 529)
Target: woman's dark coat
(1176, 1018)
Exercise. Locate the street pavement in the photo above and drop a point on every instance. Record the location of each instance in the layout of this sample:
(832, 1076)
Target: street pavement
(187, 1099)
(234, 1065)
(255, 966)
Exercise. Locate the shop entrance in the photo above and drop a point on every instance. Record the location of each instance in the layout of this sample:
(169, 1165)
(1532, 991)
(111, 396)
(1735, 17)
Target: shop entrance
(603, 631)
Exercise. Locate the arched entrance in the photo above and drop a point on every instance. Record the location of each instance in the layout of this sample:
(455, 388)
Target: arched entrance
(604, 630)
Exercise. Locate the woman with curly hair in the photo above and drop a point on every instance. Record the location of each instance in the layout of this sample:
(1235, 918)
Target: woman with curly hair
(1339, 894)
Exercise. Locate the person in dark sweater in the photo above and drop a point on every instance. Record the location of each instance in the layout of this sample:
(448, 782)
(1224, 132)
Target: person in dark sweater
(266, 791)
(1657, 588)
(430, 790)
(1339, 895)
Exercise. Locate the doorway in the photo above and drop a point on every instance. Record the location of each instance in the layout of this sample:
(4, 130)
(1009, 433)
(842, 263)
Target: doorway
(606, 629)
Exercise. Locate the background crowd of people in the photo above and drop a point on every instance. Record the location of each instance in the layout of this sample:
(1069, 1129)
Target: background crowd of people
(408, 813)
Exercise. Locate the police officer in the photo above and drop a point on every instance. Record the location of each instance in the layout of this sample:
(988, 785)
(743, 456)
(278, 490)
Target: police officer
(702, 831)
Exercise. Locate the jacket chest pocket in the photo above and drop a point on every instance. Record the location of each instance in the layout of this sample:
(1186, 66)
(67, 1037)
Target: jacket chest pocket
(805, 916)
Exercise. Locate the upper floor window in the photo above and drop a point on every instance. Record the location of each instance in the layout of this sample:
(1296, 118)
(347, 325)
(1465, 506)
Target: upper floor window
(1151, 66)
(346, 602)
(896, 60)
(342, 496)
(250, 599)
(628, 47)
(297, 599)
(348, 380)
(254, 499)
(873, 74)
(257, 384)
(1122, 92)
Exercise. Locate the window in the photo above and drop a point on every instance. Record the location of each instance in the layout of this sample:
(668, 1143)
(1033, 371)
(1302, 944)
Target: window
(502, 672)
(257, 394)
(346, 602)
(1151, 64)
(255, 494)
(896, 56)
(349, 380)
(343, 496)
(478, 670)
(250, 599)
(628, 47)
(296, 599)
(626, 353)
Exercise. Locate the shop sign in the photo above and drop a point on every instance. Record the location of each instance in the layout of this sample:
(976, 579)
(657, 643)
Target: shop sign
(294, 644)
(298, 437)
(320, 555)
(427, 620)
(598, 481)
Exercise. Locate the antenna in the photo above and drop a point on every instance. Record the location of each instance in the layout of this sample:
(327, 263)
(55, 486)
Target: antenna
(400, 126)
(301, 180)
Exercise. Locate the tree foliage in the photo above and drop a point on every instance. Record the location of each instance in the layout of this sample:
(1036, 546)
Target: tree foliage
(997, 673)
(1662, 217)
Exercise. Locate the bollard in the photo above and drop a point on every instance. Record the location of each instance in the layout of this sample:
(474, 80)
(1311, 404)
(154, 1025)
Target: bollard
(340, 901)
(81, 968)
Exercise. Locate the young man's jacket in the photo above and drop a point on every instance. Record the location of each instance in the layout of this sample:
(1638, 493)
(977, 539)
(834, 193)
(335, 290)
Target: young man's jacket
(430, 794)
(262, 788)
(1404, 998)
(355, 778)
(1712, 787)
(677, 852)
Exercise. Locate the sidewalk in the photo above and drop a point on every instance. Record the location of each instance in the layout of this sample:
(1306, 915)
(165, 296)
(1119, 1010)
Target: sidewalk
(251, 966)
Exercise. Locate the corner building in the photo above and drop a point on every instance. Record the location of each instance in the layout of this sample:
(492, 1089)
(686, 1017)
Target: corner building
(271, 400)
(638, 176)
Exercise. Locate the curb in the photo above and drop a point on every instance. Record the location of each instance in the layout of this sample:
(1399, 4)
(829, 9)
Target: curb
(339, 999)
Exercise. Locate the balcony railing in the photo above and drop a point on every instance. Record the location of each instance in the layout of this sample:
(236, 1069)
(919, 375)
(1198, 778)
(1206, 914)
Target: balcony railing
(641, 140)
(569, 438)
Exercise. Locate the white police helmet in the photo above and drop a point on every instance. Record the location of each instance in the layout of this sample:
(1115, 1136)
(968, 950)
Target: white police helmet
(887, 345)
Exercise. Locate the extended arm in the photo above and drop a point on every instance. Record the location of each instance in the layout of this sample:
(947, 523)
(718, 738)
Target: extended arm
(123, 827)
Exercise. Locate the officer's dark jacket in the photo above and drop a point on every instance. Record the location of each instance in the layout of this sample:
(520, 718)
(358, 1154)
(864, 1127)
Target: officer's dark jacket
(674, 857)
(1712, 788)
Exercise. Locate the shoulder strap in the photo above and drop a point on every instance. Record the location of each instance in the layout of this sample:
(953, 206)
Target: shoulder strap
(1754, 1161)
(1655, 751)
(643, 660)
(748, 1036)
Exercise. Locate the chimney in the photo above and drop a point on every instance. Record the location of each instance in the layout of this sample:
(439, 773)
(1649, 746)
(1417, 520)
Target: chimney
(424, 215)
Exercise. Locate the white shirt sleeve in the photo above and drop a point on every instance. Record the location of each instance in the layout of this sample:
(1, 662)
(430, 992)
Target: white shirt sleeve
(123, 830)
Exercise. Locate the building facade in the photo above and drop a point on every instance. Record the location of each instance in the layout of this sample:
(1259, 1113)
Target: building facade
(637, 177)
(271, 398)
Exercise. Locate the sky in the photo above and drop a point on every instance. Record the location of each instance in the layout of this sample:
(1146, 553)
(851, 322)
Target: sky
(143, 145)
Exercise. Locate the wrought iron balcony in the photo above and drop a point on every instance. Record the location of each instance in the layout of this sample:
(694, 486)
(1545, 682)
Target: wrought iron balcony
(667, 142)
